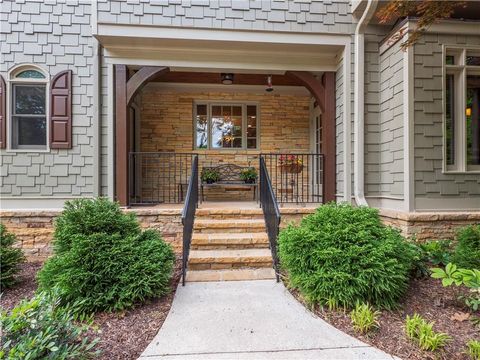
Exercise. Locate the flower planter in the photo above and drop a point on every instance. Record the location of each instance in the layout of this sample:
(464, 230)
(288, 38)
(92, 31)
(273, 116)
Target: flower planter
(291, 168)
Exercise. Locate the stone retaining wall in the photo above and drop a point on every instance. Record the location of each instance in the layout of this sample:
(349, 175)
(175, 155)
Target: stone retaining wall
(34, 229)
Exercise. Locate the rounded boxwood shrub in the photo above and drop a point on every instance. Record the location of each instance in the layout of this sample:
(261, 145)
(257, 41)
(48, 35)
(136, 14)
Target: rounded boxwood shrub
(341, 255)
(10, 258)
(103, 260)
(467, 251)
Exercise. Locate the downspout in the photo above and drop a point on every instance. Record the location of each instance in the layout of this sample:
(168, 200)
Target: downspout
(359, 104)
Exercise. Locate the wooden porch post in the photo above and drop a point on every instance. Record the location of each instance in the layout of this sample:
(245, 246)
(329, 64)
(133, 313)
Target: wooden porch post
(121, 135)
(323, 90)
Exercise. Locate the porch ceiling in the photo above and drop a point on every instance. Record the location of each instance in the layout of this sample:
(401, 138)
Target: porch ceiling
(224, 55)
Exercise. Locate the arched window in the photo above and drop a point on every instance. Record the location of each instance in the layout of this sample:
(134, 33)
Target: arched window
(28, 108)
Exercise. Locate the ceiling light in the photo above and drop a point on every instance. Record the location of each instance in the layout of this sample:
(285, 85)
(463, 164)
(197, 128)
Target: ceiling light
(269, 84)
(227, 78)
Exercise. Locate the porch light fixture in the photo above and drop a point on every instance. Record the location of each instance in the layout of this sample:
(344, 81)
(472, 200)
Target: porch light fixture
(269, 84)
(468, 111)
(227, 78)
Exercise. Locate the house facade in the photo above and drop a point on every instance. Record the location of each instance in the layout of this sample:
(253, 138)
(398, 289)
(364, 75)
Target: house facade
(115, 97)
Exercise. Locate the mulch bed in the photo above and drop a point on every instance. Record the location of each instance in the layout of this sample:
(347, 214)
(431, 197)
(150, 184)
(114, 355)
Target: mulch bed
(433, 302)
(123, 335)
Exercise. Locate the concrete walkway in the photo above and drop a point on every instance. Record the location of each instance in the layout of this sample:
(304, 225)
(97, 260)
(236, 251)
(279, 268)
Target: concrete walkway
(249, 320)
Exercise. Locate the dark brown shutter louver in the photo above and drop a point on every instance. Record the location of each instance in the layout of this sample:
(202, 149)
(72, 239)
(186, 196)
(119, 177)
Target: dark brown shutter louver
(3, 119)
(61, 111)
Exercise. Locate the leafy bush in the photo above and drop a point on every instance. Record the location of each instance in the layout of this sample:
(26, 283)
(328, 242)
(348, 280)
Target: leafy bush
(421, 332)
(341, 255)
(473, 349)
(40, 329)
(364, 318)
(467, 251)
(10, 258)
(104, 265)
(432, 252)
(470, 278)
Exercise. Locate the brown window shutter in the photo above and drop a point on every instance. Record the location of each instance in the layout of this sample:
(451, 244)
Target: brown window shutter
(3, 111)
(61, 111)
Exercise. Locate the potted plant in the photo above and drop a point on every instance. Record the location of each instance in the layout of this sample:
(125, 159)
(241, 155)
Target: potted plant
(249, 175)
(210, 176)
(290, 164)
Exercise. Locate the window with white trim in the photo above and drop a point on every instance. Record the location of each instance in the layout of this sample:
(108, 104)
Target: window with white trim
(28, 109)
(225, 126)
(462, 110)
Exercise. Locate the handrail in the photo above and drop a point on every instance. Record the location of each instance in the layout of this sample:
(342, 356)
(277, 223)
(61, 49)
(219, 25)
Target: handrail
(188, 215)
(271, 212)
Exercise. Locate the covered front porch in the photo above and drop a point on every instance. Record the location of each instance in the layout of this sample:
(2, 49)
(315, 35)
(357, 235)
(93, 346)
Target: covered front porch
(170, 120)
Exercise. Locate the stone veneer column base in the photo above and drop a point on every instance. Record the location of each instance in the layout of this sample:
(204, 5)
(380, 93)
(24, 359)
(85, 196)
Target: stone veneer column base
(429, 225)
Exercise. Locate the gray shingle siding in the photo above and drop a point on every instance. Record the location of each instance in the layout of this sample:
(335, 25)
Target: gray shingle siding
(289, 15)
(430, 181)
(383, 117)
(56, 37)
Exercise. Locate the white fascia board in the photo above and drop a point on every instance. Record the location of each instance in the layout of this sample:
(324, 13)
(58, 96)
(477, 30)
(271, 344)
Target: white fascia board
(106, 30)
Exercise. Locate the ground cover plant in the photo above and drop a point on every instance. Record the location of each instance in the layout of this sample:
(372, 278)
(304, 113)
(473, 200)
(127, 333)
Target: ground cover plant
(364, 318)
(467, 251)
(10, 258)
(341, 255)
(473, 349)
(470, 278)
(421, 331)
(42, 329)
(103, 261)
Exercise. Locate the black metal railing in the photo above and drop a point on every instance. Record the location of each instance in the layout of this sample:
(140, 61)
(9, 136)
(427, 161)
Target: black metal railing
(296, 177)
(188, 215)
(271, 213)
(159, 177)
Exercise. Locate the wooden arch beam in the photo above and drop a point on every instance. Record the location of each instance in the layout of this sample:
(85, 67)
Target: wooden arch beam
(141, 78)
(313, 84)
(323, 90)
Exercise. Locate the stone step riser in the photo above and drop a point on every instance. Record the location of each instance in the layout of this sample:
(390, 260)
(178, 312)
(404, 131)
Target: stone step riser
(228, 246)
(233, 265)
(230, 275)
(228, 230)
(229, 217)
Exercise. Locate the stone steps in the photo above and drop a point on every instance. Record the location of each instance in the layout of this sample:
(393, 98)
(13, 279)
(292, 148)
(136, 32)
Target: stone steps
(209, 226)
(219, 214)
(229, 259)
(205, 241)
(228, 245)
(230, 275)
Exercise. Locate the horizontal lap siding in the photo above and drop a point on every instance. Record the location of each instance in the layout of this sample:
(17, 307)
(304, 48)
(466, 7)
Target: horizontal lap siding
(430, 182)
(56, 37)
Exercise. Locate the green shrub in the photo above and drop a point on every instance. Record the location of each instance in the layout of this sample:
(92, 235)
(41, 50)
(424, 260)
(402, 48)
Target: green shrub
(41, 329)
(10, 258)
(473, 349)
(364, 318)
(87, 217)
(421, 332)
(109, 269)
(467, 251)
(341, 255)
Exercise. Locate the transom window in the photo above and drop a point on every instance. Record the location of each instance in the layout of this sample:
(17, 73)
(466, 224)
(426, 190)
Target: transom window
(462, 110)
(225, 126)
(29, 110)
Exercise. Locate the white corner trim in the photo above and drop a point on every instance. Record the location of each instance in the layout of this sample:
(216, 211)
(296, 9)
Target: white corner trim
(347, 124)
(111, 133)
(94, 17)
(408, 129)
(96, 117)
(359, 97)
